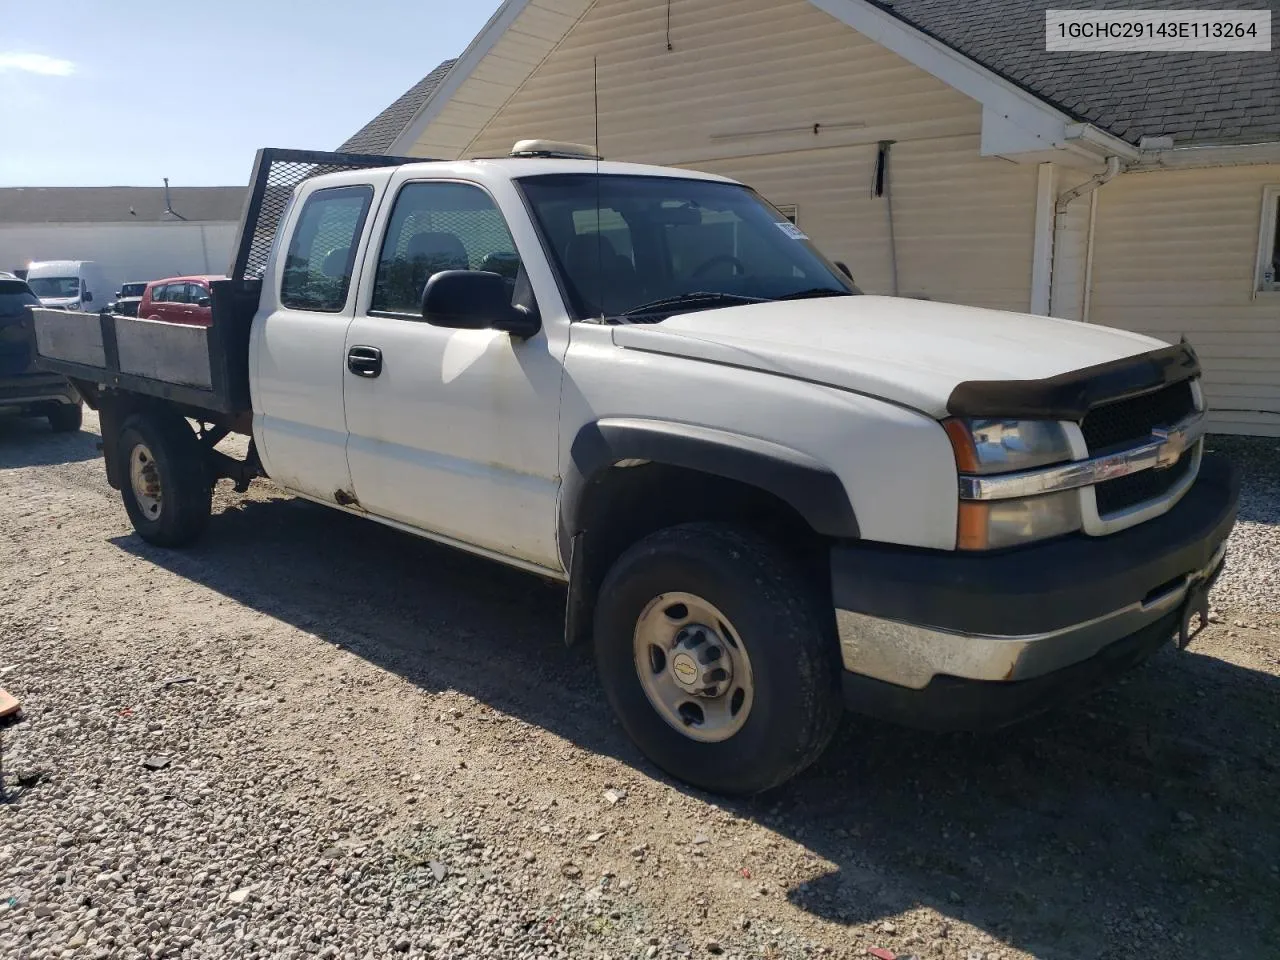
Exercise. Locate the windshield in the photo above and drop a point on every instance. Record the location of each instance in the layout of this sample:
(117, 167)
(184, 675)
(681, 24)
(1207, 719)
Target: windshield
(643, 248)
(48, 288)
(15, 298)
(132, 289)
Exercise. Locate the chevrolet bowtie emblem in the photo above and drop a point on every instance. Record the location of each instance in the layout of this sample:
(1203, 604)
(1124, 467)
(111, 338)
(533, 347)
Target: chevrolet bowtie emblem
(1173, 443)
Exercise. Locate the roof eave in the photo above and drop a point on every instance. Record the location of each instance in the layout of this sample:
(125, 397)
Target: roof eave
(1205, 155)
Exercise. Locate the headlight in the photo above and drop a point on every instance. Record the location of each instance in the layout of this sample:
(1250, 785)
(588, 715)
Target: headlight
(984, 447)
(1003, 446)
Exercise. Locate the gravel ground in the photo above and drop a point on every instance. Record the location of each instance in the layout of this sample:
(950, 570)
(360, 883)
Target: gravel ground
(1252, 575)
(312, 736)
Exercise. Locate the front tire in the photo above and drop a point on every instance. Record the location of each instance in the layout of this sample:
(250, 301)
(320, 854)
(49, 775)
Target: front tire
(718, 657)
(164, 481)
(66, 418)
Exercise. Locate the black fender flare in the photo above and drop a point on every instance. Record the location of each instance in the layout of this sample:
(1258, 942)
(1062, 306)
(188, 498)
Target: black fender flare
(809, 486)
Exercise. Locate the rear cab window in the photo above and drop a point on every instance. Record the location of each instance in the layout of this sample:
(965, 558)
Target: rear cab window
(322, 249)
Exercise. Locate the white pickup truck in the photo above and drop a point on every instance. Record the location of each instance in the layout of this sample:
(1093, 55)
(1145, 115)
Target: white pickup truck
(769, 496)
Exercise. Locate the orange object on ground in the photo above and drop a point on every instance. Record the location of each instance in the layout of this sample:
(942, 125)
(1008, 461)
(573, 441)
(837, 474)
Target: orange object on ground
(8, 703)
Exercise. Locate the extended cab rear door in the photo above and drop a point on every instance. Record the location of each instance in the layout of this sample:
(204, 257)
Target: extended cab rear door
(455, 432)
(297, 356)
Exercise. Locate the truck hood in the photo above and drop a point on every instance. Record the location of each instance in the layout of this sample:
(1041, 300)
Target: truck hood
(910, 352)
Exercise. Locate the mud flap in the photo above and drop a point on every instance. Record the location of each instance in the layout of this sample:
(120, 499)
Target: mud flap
(1195, 615)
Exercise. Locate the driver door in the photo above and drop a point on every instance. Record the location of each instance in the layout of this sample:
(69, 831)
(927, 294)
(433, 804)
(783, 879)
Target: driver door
(453, 432)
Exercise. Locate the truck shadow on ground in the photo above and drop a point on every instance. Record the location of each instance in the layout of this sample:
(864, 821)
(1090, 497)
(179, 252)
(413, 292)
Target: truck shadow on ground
(1144, 815)
(28, 442)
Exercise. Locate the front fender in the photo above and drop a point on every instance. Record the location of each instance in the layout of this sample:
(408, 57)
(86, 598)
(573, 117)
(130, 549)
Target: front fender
(808, 486)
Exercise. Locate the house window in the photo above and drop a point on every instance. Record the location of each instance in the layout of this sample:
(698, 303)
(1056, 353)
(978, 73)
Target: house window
(1269, 242)
(790, 211)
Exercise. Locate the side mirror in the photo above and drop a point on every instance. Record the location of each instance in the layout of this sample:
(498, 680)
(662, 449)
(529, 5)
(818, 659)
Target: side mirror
(88, 297)
(476, 300)
(203, 302)
(844, 268)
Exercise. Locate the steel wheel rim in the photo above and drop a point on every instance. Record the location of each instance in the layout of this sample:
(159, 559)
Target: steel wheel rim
(144, 476)
(693, 667)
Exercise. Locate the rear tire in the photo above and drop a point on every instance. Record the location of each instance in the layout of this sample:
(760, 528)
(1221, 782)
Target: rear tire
(771, 629)
(66, 417)
(163, 479)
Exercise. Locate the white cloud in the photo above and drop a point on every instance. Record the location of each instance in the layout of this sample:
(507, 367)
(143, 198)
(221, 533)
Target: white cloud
(36, 63)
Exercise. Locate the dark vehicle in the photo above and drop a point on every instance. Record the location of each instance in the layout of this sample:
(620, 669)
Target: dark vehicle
(127, 298)
(24, 389)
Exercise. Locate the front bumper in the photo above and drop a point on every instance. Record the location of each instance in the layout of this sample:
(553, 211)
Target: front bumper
(956, 641)
(35, 390)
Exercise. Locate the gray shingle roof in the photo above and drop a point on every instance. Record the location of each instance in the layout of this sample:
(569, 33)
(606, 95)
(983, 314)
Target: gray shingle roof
(1193, 97)
(109, 204)
(378, 134)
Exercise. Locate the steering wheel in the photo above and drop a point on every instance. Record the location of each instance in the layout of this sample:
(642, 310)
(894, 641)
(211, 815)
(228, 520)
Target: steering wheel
(739, 268)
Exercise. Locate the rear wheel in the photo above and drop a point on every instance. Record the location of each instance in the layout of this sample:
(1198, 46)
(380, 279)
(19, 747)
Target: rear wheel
(164, 482)
(66, 417)
(718, 657)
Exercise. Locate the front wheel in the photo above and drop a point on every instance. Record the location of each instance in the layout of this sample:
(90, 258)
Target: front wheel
(164, 483)
(718, 657)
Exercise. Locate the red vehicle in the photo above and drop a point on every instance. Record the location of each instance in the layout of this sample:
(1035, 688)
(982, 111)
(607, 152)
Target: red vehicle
(178, 300)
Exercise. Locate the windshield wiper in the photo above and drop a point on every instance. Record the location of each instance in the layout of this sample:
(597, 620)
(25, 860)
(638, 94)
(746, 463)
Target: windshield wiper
(691, 299)
(814, 293)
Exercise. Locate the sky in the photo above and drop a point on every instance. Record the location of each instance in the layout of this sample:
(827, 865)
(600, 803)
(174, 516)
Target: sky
(126, 92)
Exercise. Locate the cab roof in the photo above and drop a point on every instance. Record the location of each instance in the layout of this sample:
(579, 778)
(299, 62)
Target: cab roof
(515, 167)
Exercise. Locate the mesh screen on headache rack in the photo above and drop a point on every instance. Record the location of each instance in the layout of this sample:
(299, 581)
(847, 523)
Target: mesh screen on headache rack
(276, 174)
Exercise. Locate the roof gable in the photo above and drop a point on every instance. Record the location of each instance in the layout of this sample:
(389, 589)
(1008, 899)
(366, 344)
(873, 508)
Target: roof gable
(1036, 106)
(378, 134)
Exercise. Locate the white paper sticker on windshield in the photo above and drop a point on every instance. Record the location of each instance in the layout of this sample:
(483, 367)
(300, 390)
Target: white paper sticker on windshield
(792, 231)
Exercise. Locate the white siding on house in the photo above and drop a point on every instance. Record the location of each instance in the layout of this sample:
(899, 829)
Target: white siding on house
(1175, 255)
(524, 44)
(963, 225)
(740, 94)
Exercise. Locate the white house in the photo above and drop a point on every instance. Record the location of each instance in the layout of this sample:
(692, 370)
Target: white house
(936, 147)
(133, 233)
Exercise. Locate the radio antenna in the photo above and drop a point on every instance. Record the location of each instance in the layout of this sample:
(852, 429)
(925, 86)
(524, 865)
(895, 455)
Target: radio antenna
(595, 112)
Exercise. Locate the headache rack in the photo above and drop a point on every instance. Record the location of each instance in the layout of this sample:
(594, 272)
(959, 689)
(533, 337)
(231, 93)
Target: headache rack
(203, 368)
(276, 174)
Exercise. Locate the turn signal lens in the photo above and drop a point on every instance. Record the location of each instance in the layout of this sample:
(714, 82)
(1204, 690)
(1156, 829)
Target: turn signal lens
(961, 438)
(993, 524)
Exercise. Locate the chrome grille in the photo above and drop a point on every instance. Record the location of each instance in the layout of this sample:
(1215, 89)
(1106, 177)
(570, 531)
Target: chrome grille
(1130, 421)
(1141, 487)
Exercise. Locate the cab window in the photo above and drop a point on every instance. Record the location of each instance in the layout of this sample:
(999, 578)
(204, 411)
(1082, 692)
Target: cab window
(436, 227)
(322, 250)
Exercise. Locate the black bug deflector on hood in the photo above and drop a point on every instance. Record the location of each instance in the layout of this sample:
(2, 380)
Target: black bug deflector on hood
(1069, 396)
